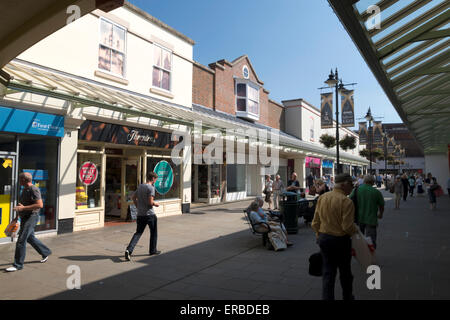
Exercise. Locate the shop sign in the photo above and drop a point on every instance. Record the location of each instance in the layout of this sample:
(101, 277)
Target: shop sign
(312, 162)
(22, 121)
(113, 133)
(88, 173)
(165, 177)
(327, 164)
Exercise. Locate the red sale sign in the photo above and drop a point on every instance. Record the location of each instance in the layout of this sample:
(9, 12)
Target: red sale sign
(88, 173)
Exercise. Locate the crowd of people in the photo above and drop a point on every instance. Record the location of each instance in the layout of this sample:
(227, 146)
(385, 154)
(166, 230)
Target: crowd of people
(346, 205)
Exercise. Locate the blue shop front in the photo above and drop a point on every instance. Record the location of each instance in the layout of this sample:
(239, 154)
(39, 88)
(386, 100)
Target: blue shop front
(29, 142)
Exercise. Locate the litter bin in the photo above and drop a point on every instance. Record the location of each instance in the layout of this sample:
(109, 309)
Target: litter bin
(288, 209)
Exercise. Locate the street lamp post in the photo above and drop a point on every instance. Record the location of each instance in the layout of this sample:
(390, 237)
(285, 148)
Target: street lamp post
(333, 81)
(370, 119)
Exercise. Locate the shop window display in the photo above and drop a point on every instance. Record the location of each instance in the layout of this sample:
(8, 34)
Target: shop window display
(88, 189)
(236, 177)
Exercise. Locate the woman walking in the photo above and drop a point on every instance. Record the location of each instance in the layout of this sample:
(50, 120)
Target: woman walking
(278, 188)
(398, 191)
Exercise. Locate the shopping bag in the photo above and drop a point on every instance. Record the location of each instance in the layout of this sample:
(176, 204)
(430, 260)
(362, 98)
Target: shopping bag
(12, 229)
(315, 264)
(361, 250)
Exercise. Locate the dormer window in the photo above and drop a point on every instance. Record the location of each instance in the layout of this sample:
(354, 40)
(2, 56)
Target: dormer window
(247, 99)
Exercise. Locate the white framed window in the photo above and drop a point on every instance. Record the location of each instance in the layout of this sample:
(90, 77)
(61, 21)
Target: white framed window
(311, 130)
(162, 68)
(112, 48)
(247, 100)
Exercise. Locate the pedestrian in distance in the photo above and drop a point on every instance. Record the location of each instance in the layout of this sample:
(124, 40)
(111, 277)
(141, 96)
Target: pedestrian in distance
(278, 187)
(405, 183)
(144, 200)
(370, 208)
(309, 180)
(412, 185)
(268, 189)
(398, 191)
(30, 203)
(433, 186)
(334, 225)
(419, 182)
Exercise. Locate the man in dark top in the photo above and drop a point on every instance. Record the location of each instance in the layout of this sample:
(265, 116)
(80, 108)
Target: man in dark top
(30, 203)
(310, 180)
(144, 200)
(293, 185)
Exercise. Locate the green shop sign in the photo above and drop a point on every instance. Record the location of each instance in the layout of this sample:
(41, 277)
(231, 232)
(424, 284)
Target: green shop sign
(165, 177)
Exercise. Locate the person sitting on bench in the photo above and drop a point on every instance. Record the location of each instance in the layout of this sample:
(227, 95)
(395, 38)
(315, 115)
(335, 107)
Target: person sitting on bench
(261, 219)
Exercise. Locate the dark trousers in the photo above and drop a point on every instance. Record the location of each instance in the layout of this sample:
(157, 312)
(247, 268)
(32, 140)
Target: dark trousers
(405, 192)
(26, 234)
(141, 223)
(369, 231)
(411, 190)
(336, 254)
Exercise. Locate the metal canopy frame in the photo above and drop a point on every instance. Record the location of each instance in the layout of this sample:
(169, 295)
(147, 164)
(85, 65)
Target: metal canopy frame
(19, 76)
(410, 59)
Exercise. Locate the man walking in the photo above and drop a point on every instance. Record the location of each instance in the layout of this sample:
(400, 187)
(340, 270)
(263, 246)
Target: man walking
(278, 187)
(309, 180)
(30, 203)
(370, 202)
(334, 225)
(144, 200)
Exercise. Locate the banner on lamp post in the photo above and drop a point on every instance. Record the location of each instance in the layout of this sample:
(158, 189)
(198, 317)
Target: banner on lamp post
(377, 132)
(348, 108)
(362, 133)
(326, 110)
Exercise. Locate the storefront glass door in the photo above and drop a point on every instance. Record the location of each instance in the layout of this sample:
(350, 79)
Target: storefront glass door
(113, 186)
(6, 192)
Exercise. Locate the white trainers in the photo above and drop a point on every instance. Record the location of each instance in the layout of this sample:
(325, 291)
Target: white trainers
(11, 269)
(44, 260)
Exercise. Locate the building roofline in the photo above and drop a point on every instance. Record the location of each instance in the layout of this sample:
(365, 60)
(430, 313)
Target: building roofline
(158, 22)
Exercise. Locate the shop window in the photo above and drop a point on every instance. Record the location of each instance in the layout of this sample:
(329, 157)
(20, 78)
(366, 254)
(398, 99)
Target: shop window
(88, 189)
(162, 68)
(175, 190)
(111, 55)
(39, 157)
(7, 142)
(236, 177)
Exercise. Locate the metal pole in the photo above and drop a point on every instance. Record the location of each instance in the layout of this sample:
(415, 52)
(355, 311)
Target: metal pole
(337, 123)
(370, 145)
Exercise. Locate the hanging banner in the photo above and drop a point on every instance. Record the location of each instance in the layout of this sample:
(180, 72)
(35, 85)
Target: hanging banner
(377, 132)
(326, 110)
(362, 133)
(390, 145)
(348, 108)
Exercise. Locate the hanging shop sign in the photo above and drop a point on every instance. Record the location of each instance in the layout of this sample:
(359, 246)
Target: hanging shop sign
(113, 133)
(326, 110)
(88, 173)
(348, 108)
(30, 122)
(165, 177)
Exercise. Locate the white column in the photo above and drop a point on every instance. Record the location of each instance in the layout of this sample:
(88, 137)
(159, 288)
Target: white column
(300, 169)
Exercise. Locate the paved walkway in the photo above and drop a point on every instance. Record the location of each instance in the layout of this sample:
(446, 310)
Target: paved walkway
(211, 254)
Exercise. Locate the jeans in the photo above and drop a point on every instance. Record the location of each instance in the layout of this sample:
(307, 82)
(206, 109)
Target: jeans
(141, 223)
(336, 254)
(26, 234)
(369, 231)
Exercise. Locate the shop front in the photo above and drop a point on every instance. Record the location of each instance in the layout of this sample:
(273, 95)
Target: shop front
(312, 165)
(29, 142)
(327, 167)
(112, 160)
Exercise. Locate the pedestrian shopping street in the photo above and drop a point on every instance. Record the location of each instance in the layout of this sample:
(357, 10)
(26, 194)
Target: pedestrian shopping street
(211, 254)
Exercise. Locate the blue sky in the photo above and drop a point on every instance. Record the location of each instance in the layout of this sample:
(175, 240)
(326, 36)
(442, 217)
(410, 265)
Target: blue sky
(292, 45)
